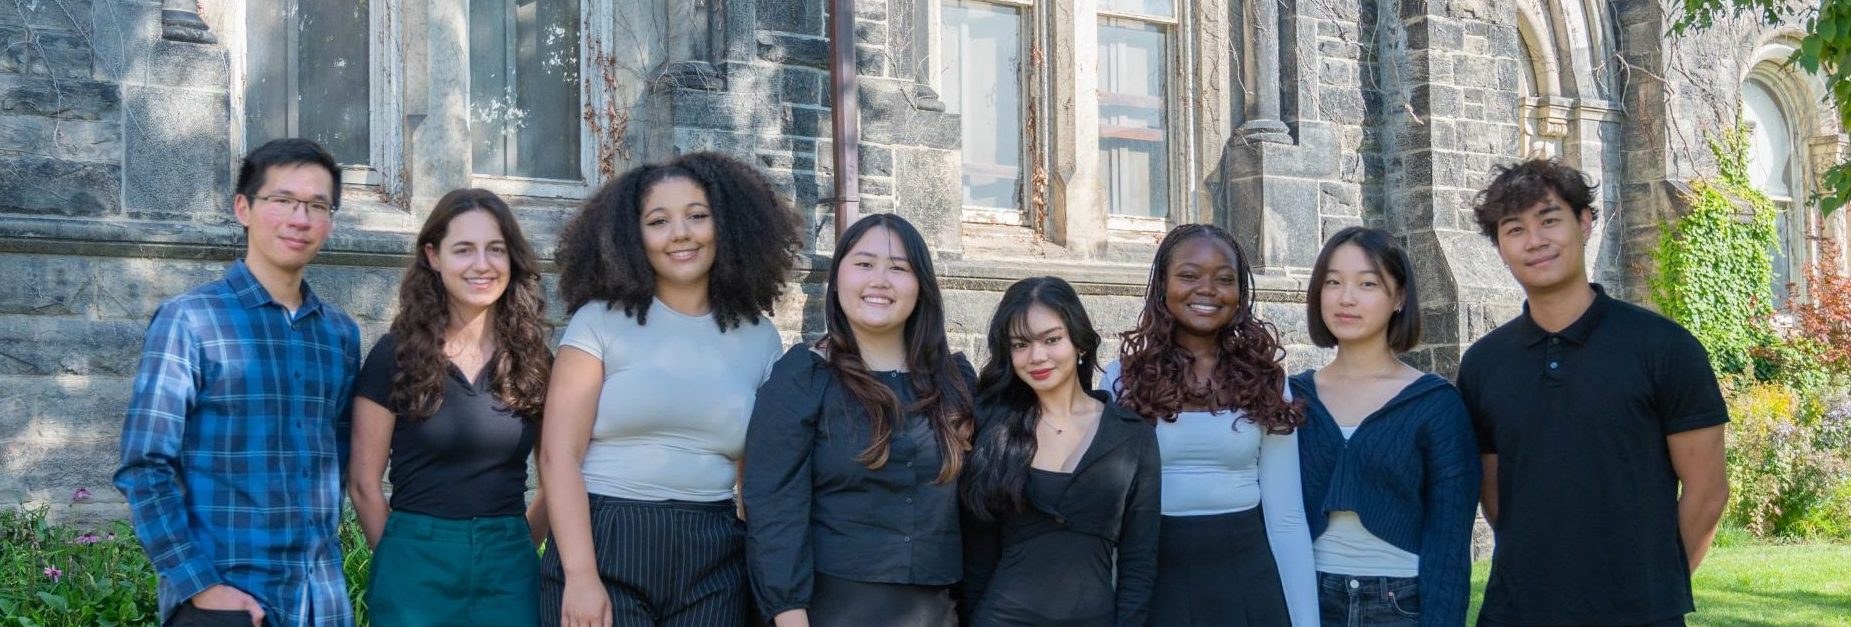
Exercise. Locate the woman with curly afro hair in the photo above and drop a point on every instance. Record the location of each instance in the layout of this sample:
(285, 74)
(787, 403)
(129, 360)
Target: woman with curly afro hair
(670, 273)
(1232, 546)
(453, 396)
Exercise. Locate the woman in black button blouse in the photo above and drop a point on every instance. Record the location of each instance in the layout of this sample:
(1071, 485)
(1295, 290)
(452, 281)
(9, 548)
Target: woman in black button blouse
(1062, 489)
(854, 449)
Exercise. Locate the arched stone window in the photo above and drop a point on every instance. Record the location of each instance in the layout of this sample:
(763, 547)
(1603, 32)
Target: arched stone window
(1774, 167)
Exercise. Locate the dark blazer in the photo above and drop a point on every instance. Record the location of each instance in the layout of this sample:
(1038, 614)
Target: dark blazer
(1114, 494)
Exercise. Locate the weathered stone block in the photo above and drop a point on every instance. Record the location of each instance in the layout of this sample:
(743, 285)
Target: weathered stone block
(38, 185)
(59, 54)
(870, 33)
(1436, 34)
(810, 52)
(59, 98)
(49, 409)
(805, 121)
(68, 15)
(367, 293)
(801, 86)
(56, 286)
(71, 140)
(41, 345)
(873, 61)
(176, 64)
(804, 17)
(927, 183)
(132, 289)
(178, 151)
(1431, 100)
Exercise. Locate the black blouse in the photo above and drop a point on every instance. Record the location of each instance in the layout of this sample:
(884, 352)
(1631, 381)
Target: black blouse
(811, 508)
(1053, 564)
(466, 461)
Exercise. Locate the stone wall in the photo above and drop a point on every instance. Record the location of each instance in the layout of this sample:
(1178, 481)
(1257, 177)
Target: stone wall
(118, 138)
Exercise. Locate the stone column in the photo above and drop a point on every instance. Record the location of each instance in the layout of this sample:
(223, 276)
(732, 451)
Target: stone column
(1263, 65)
(437, 99)
(1078, 207)
(1457, 57)
(180, 21)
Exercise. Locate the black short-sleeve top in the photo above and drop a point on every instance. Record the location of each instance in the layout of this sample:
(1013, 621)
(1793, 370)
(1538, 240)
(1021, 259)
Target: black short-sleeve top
(1587, 529)
(811, 508)
(468, 460)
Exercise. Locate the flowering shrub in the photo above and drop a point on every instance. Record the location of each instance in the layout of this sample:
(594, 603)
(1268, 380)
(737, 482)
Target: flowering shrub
(55, 576)
(1789, 463)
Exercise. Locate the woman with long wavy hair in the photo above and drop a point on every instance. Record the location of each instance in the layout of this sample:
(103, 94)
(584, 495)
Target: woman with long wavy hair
(1233, 548)
(1062, 490)
(453, 395)
(855, 447)
(670, 273)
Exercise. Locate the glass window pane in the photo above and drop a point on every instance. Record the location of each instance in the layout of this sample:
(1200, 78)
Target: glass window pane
(1133, 129)
(325, 95)
(981, 75)
(1770, 148)
(1165, 8)
(524, 88)
(1783, 257)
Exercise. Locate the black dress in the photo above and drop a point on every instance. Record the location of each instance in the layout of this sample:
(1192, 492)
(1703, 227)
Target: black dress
(1084, 554)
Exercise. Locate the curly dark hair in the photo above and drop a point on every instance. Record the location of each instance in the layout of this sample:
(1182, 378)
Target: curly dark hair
(1156, 377)
(994, 482)
(1518, 187)
(943, 396)
(601, 254)
(519, 325)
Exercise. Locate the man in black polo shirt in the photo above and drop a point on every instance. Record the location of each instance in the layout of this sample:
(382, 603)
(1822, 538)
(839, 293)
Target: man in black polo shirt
(1591, 413)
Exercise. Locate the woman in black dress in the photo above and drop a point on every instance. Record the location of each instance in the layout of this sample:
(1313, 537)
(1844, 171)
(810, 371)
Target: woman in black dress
(1061, 495)
(853, 453)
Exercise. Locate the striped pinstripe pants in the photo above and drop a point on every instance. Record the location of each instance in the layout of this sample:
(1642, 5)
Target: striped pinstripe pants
(664, 563)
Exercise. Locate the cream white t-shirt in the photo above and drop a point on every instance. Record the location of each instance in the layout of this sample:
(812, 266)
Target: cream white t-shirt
(676, 399)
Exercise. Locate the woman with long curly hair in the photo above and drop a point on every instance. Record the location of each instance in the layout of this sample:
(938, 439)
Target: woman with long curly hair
(855, 447)
(670, 273)
(1233, 548)
(1062, 490)
(454, 395)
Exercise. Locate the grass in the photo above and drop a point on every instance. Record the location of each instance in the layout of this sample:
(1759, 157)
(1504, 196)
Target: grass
(1758, 585)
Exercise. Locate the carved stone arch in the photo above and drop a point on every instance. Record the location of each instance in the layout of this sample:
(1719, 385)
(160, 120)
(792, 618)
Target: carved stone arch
(1817, 141)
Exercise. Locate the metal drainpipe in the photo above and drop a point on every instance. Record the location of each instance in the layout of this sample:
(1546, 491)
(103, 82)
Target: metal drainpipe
(845, 123)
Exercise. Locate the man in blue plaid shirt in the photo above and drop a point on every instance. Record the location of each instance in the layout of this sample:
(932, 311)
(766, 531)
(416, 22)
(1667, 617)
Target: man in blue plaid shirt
(236, 437)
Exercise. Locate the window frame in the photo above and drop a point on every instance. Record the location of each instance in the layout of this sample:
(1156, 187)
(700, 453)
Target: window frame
(1030, 80)
(1796, 207)
(548, 188)
(1176, 125)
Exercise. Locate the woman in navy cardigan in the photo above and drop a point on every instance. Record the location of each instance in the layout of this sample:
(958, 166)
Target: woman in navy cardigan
(1387, 452)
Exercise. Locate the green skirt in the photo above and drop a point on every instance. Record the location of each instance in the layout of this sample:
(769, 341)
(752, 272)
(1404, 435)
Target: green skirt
(437, 571)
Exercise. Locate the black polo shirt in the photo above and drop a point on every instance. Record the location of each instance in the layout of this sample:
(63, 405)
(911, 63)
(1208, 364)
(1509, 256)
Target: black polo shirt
(1587, 530)
(469, 460)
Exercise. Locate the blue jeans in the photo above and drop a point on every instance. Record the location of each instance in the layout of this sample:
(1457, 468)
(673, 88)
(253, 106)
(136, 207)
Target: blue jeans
(1345, 601)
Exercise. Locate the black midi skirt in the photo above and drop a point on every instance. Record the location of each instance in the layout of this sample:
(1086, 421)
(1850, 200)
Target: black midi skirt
(1217, 571)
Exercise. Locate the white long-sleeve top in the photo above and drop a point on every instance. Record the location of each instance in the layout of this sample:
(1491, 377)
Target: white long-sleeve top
(1221, 462)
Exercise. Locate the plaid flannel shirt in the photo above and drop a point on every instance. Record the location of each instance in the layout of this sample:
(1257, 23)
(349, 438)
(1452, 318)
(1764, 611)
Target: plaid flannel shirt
(235, 446)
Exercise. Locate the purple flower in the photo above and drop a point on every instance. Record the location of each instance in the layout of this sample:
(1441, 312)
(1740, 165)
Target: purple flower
(111, 536)
(87, 538)
(54, 573)
(81, 495)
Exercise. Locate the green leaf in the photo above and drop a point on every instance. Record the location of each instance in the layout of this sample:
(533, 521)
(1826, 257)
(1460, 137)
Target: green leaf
(55, 601)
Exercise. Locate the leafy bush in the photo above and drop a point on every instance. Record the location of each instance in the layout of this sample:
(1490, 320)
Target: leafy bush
(1789, 464)
(55, 576)
(52, 575)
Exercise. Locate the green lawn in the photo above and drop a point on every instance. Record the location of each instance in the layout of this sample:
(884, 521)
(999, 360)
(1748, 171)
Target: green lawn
(1759, 585)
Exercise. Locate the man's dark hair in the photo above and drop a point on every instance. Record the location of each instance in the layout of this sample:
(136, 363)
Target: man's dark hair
(1519, 187)
(1387, 259)
(285, 151)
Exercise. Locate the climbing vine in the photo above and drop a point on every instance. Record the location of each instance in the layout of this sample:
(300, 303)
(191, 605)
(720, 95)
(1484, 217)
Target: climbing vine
(1715, 265)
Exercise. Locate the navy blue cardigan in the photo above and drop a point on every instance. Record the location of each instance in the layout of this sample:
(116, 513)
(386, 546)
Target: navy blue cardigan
(1410, 472)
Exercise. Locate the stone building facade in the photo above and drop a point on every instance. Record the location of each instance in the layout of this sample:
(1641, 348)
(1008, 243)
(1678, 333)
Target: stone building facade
(1025, 137)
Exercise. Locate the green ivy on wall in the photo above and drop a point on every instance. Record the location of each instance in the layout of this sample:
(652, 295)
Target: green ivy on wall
(1715, 263)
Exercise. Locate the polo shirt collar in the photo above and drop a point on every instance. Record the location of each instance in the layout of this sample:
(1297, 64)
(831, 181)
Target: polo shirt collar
(1578, 332)
(251, 294)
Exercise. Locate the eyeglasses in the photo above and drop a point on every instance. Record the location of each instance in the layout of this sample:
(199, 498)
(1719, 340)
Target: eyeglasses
(287, 205)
